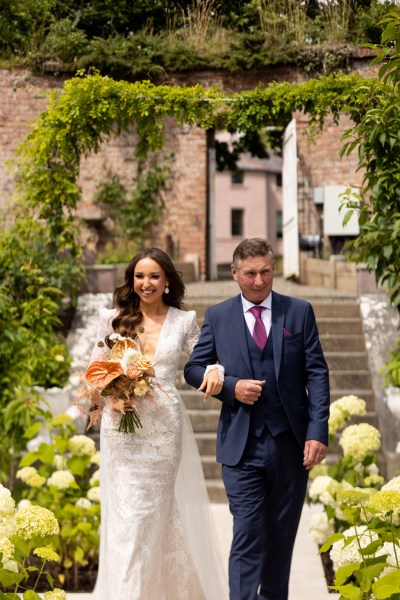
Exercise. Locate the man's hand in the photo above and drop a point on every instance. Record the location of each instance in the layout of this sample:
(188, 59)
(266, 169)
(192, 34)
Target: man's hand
(212, 384)
(248, 391)
(314, 453)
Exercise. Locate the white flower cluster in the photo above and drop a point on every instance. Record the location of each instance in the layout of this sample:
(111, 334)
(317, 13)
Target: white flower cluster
(358, 440)
(342, 409)
(95, 478)
(323, 489)
(95, 459)
(61, 479)
(7, 509)
(35, 521)
(31, 477)
(83, 503)
(343, 553)
(94, 494)
(321, 527)
(55, 595)
(82, 445)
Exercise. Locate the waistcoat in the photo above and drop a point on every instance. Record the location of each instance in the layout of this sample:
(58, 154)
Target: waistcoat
(268, 411)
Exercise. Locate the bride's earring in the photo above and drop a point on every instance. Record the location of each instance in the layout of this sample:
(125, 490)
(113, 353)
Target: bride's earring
(166, 289)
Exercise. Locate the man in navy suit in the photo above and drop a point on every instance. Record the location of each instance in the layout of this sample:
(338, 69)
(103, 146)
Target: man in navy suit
(273, 425)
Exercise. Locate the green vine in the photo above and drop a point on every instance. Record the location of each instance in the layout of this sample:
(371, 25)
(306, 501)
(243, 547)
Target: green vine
(134, 213)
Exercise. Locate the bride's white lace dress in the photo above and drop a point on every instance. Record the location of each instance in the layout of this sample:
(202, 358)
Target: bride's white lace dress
(157, 538)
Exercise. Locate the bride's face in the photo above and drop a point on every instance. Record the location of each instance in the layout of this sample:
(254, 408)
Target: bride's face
(149, 281)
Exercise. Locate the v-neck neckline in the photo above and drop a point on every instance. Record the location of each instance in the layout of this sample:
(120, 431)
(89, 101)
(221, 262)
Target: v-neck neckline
(152, 358)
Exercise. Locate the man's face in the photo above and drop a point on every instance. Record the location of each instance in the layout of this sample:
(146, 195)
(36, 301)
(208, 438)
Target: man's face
(254, 276)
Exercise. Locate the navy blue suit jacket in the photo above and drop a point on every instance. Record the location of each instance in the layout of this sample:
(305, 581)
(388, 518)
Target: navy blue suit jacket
(301, 372)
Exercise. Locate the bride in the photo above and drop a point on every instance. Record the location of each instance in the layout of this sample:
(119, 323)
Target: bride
(157, 537)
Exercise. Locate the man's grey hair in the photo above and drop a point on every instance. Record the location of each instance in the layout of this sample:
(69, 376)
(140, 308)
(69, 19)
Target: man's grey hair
(252, 247)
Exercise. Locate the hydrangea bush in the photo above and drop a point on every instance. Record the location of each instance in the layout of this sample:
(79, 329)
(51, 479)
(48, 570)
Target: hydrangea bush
(360, 522)
(63, 474)
(26, 531)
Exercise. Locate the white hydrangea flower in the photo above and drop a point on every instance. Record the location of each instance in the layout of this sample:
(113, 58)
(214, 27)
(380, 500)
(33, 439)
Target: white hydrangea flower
(56, 594)
(393, 484)
(31, 477)
(94, 494)
(83, 503)
(342, 554)
(35, 521)
(372, 469)
(59, 462)
(391, 559)
(61, 479)
(323, 489)
(95, 459)
(7, 503)
(95, 478)
(344, 408)
(358, 440)
(82, 445)
(24, 503)
(116, 337)
(7, 526)
(351, 405)
(6, 549)
(321, 527)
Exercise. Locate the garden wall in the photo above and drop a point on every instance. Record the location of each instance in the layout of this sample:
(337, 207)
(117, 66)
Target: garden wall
(337, 274)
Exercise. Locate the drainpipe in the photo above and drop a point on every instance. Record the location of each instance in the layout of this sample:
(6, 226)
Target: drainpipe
(211, 264)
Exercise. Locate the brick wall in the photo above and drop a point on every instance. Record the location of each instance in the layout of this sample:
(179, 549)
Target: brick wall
(23, 98)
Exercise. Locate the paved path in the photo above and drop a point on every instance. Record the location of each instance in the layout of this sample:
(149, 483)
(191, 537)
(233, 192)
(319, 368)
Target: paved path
(307, 580)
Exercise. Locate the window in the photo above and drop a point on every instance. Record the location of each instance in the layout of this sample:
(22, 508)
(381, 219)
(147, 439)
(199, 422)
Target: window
(279, 224)
(237, 176)
(278, 180)
(237, 221)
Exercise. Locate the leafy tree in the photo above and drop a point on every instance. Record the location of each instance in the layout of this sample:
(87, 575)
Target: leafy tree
(377, 139)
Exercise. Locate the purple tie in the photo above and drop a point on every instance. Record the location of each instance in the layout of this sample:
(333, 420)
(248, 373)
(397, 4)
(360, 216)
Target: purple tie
(259, 332)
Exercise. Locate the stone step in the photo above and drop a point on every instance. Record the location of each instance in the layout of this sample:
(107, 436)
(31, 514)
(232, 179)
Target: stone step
(204, 420)
(343, 361)
(350, 379)
(194, 400)
(343, 342)
(216, 491)
(328, 308)
(342, 326)
(336, 360)
(206, 442)
(211, 469)
(364, 394)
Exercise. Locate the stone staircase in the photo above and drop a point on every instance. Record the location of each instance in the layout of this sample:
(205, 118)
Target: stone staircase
(342, 338)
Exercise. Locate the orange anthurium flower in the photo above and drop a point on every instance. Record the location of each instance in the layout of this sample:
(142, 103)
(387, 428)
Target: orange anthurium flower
(100, 373)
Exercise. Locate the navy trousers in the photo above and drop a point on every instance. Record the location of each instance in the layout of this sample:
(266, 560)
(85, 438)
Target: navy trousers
(266, 493)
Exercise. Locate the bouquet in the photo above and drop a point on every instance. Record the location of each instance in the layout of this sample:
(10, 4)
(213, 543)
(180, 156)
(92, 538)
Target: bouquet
(125, 378)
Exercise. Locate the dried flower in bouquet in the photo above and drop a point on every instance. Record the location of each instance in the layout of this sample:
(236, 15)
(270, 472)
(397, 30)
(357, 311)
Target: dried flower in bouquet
(125, 379)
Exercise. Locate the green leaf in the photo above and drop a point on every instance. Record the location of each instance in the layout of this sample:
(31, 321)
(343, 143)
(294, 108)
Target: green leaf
(387, 586)
(33, 430)
(350, 591)
(31, 595)
(343, 573)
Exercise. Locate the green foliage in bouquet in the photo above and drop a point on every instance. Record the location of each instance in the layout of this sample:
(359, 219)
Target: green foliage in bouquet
(63, 474)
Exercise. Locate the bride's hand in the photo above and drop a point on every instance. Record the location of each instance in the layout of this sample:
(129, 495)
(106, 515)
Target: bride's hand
(212, 384)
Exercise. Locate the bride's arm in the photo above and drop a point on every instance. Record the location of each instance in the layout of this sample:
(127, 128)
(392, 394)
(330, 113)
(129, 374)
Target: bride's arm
(100, 349)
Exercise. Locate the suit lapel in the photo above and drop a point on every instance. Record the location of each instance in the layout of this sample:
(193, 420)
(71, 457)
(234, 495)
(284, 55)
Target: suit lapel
(239, 327)
(278, 318)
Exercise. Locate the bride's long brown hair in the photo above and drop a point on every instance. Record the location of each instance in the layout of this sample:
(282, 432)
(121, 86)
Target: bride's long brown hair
(126, 300)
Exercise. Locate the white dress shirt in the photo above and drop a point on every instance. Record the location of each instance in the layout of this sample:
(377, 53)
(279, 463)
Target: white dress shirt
(266, 314)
